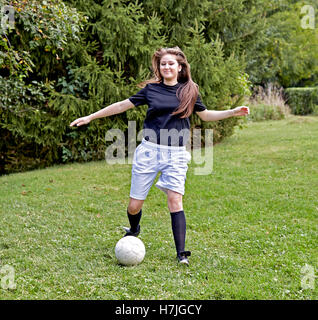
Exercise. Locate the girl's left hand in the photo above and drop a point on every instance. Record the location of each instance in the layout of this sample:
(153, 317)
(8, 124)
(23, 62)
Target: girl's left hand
(241, 111)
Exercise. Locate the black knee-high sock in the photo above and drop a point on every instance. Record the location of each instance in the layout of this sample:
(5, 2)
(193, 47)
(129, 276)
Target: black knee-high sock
(134, 220)
(178, 223)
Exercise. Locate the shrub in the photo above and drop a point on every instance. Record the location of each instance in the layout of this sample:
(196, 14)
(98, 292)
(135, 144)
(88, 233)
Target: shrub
(29, 54)
(302, 101)
(268, 104)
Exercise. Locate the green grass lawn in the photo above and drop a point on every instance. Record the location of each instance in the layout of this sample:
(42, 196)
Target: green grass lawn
(252, 225)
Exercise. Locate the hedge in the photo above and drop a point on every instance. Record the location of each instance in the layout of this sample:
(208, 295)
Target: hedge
(302, 101)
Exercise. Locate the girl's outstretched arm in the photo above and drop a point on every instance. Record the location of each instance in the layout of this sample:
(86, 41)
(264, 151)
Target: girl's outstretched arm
(115, 108)
(215, 115)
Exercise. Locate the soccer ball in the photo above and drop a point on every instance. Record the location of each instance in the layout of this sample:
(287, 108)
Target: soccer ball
(130, 251)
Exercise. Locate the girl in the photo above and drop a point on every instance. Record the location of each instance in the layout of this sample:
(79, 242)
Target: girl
(172, 97)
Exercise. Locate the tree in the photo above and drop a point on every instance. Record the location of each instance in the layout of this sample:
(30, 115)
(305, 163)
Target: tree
(288, 54)
(126, 34)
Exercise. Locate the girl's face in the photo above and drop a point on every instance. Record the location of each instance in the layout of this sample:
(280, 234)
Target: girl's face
(169, 68)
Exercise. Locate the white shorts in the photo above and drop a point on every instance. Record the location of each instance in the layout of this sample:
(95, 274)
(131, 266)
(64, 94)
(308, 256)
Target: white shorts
(149, 159)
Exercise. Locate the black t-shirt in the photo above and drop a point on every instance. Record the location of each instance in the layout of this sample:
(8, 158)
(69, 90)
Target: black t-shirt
(160, 126)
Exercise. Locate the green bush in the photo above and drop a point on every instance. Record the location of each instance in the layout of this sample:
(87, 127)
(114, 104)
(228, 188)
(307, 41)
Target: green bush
(262, 112)
(268, 103)
(29, 58)
(302, 101)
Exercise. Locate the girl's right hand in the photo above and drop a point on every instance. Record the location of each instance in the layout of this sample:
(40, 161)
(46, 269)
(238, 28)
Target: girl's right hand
(81, 121)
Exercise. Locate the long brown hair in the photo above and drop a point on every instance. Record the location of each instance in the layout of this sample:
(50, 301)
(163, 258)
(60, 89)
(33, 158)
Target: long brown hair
(188, 91)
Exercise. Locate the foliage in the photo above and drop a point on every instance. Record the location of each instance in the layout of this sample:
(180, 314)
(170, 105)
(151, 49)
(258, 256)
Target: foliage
(302, 101)
(114, 62)
(66, 59)
(14, 63)
(81, 71)
(222, 83)
(287, 53)
(268, 104)
(266, 35)
(43, 29)
(260, 112)
(30, 129)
